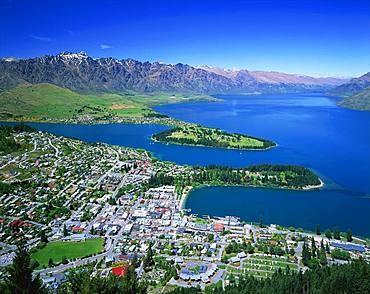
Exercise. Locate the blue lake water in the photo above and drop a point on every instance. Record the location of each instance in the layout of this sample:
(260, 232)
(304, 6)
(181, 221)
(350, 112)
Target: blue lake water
(310, 130)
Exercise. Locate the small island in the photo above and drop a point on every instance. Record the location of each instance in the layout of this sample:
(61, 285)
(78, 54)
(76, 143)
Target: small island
(211, 137)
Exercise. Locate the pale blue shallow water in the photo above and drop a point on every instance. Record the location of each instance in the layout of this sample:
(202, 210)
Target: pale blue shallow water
(310, 130)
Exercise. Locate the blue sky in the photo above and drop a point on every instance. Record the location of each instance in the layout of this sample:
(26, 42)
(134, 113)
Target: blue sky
(317, 38)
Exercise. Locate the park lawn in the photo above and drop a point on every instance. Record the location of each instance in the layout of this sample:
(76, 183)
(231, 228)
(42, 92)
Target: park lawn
(268, 264)
(198, 133)
(56, 250)
(259, 274)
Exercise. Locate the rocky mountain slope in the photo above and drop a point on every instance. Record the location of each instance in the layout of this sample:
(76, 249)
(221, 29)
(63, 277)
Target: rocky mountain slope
(81, 73)
(356, 93)
(352, 87)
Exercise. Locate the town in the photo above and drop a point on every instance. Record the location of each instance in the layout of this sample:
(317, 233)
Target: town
(104, 207)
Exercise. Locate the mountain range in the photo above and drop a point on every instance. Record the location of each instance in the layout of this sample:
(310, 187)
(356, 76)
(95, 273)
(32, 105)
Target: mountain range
(83, 74)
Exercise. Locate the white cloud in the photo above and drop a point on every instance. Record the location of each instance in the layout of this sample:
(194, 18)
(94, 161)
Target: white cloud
(105, 46)
(40, 38)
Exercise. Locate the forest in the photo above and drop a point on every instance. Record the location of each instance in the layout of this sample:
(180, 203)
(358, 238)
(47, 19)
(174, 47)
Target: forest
(265, 175)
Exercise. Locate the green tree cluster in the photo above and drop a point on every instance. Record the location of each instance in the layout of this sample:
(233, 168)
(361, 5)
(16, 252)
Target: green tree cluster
(312, 256)
(7, 142)
(19, 279)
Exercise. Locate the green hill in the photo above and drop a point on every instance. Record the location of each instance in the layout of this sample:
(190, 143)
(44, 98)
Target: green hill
(47, 102)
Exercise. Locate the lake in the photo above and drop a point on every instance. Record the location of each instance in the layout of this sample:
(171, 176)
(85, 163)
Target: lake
(310, 130)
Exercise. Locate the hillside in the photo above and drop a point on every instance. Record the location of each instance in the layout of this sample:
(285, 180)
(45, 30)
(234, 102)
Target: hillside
(356, 93)
(359, 101)
(83, 74)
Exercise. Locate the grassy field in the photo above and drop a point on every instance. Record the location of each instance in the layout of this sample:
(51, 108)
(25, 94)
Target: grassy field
(202, 136)
(49, 102)
(56, 250)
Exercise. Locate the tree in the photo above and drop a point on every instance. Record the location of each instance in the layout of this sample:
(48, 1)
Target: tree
(349, 236)
(250, 248)
(318, 231)
(336, 233)
(211, 237)
(313, 247)
(43, 237)
(64, 260)
(328, 234)
(313, 263)
(51, 262)
(148, 260)
(131, 280)
(135, 261)
(20, 280)
(340, 254)
(322, 254)
(306, 255)
(65, 232)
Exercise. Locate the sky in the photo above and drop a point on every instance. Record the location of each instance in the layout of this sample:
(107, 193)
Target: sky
(318, 38)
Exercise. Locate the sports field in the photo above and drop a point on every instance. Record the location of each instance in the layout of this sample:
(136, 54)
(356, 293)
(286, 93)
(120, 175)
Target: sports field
(56, 250)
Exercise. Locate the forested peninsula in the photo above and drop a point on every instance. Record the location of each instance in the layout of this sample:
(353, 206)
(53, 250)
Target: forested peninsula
(211, 137)
(264, 175)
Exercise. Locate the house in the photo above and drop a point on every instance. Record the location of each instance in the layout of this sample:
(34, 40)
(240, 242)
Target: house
(234, 259)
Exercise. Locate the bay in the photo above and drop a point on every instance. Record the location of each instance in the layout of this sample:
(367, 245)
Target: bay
(310, 129)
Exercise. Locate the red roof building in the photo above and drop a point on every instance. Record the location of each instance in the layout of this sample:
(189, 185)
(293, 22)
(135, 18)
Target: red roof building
(218, 227)
(119, 271)
(77, 229)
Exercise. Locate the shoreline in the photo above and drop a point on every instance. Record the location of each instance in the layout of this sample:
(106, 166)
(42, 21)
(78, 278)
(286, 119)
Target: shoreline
(102, 122)
(184, 195)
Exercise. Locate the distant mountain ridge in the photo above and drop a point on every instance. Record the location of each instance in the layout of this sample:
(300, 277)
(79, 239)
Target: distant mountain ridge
(273, 77)
(81, 73)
